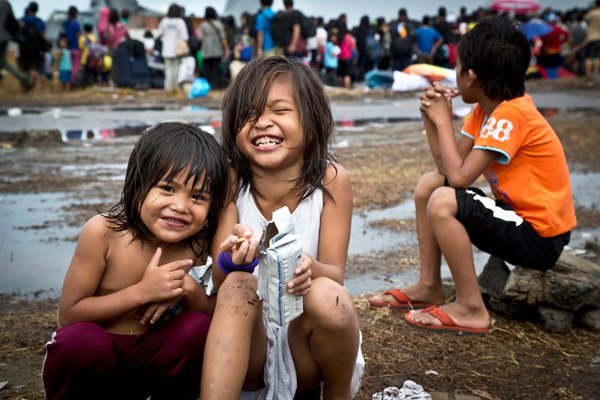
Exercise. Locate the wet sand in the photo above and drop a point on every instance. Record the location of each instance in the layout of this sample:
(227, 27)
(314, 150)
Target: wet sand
(384, 172)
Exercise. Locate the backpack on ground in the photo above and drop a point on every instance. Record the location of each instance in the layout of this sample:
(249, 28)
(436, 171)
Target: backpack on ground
(130, 66)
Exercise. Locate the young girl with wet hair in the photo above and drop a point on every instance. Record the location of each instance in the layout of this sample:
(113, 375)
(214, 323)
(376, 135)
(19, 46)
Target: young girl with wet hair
(277, 124)
(120, 335)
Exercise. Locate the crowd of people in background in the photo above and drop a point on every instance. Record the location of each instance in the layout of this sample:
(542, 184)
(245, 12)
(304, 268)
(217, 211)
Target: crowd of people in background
(183, 47)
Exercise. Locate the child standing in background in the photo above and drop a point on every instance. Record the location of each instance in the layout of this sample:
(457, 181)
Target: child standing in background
(91, 57)
(63, 57)
(277, 124)
(130, 265)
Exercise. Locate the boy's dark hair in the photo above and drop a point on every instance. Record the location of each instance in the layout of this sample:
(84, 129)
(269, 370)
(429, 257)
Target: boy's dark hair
(245, 99)
(498, 52)
(266, 3)
(163, 151)
(88, 28)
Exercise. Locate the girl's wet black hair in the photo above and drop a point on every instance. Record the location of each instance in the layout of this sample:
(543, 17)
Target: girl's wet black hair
(245, 99)
(498, 52)
(163, 152)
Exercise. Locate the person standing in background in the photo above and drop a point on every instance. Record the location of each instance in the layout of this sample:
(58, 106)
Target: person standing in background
(592, 50)
(214, 47)
(171, 30)
(363, 32)
(116, 31)
(579, 30)
(72, 30)
(6, 11)
(264, 40)
(102, 25)
(403, 39)
(125, 16)
(64, 60)
(32, 44)
(428, 40)
(347, 45)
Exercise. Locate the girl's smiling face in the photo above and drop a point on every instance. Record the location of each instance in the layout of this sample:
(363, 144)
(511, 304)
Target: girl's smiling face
(174, 210)
(276, 140)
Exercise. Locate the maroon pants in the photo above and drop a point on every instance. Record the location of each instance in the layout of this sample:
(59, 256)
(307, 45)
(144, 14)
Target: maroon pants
(83, 361)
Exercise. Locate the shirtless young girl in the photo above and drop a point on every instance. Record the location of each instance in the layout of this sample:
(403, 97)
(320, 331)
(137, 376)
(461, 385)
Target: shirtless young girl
(131, 266)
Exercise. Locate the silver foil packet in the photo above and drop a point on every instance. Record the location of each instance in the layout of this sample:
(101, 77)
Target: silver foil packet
(280, 255)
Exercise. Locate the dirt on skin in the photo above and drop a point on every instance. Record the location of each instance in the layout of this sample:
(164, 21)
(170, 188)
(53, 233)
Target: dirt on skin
(516, 360)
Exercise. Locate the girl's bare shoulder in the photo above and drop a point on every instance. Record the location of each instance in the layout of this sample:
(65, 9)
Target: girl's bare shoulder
(100, 226)
(336, 175)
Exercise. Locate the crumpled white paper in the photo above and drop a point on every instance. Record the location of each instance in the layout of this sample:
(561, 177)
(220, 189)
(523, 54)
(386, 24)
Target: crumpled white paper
(410, 391)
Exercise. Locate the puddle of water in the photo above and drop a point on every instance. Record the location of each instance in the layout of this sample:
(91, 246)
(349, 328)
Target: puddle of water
(30, 261)
(365, 240)
(101, 134)
(108, 171)
(363, 122)
(586, 190)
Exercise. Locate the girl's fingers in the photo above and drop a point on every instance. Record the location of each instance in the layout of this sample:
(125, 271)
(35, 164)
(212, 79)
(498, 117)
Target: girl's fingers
(229, 243)
(149, 312)
(160, 310)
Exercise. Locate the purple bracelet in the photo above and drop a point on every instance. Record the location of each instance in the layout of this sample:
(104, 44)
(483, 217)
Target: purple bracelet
(227, 265)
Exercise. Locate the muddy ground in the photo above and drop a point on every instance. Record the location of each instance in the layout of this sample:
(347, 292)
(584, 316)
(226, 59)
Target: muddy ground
(516, 360)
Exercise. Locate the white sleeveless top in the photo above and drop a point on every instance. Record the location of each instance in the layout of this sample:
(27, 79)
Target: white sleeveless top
(306, 217)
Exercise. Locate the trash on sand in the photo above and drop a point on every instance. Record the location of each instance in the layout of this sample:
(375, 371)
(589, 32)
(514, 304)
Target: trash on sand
(2, 384)
(342, 144)
(409, 391)
(13, 112)
(200, 88)
(208, 129)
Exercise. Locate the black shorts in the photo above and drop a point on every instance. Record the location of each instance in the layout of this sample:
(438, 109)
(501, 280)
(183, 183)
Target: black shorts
(592, 49)
(345, 68)
(494, 227)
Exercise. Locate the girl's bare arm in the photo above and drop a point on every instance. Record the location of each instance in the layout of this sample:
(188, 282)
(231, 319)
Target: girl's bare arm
(336, 220)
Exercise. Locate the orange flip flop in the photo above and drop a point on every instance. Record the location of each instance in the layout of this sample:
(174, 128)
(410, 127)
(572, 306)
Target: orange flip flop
(403, 303)
(448, 324)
